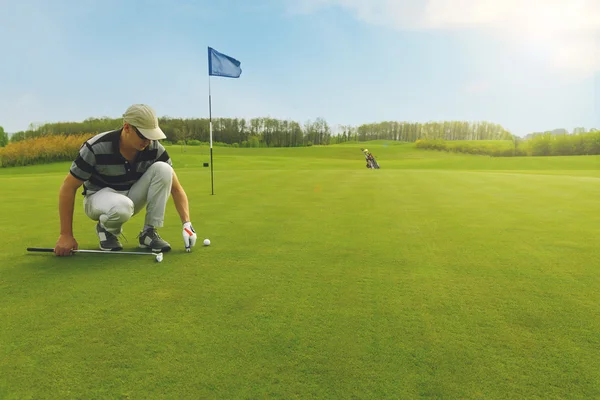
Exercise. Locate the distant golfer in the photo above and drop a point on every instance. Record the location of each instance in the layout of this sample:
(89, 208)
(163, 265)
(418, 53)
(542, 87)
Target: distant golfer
(121, 172)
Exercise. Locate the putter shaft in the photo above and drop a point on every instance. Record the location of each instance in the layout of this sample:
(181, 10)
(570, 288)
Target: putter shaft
(50, 250)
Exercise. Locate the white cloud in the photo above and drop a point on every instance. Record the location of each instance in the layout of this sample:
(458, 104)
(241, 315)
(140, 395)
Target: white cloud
(566, 33)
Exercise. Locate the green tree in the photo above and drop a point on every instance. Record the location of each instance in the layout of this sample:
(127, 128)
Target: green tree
(3, 137)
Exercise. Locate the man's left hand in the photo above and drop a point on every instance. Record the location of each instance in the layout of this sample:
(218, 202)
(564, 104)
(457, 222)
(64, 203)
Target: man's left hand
(189, 236)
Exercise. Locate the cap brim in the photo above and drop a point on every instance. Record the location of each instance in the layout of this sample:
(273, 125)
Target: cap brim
(152, 134)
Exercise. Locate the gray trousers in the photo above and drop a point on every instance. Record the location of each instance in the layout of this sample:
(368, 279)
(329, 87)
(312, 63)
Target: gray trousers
(113, 208)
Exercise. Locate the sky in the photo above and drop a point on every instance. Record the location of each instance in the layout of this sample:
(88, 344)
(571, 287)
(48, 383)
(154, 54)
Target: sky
(528, 65)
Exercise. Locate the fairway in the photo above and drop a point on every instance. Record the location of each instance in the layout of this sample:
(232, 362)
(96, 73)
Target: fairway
(440, 275)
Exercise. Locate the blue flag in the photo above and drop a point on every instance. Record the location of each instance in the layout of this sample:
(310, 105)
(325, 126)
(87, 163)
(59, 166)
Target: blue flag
(222, 65)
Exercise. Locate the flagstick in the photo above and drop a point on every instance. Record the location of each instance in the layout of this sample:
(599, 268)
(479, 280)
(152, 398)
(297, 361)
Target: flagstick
(212, 185)
(227, 67)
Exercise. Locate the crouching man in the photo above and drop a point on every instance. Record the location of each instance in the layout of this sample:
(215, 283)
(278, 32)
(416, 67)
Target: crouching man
(122, 172)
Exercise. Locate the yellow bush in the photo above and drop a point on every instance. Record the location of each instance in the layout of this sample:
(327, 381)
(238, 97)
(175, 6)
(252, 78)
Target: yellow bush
(41, 150)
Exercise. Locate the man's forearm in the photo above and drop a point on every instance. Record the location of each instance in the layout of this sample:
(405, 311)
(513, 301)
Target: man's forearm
(66, 206)
(181, 204)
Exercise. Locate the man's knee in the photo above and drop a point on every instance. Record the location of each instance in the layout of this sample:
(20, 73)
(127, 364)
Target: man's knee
(121, 211)
(162, 170)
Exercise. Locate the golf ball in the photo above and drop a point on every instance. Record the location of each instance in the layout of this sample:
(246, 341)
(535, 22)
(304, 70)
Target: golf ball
(159, 257)
(206, 242)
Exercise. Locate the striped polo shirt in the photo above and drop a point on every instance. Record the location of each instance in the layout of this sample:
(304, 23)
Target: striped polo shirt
(100, 163)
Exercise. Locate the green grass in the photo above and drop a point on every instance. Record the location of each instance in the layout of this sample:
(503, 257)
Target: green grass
(438, 276)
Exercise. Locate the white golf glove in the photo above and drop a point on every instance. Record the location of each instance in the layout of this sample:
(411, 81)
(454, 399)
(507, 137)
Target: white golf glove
(189, 236)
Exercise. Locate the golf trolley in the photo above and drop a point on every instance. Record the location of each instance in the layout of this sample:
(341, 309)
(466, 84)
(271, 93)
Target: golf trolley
(371, 162)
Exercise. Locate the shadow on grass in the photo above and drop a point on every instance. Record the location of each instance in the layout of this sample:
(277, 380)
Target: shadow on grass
(49, 262)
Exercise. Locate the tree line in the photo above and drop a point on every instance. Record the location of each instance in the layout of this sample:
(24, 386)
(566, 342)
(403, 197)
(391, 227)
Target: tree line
(271, 132)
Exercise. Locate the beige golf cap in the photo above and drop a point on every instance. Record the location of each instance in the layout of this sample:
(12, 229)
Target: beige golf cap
(144, 119)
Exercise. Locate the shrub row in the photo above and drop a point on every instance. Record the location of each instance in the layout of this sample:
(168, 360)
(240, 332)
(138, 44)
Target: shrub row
(42, 150)
(498, 148)
(539, 145)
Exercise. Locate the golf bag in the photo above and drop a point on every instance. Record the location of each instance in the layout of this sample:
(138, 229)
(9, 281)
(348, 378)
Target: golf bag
(371, 162)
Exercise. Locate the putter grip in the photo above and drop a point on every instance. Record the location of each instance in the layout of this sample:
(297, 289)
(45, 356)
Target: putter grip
(41, 249)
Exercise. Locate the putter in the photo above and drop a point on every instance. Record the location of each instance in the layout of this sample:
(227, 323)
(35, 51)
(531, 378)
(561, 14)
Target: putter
(159, 256)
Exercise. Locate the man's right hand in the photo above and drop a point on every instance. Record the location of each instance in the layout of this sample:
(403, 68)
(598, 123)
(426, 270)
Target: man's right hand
(64, 245)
